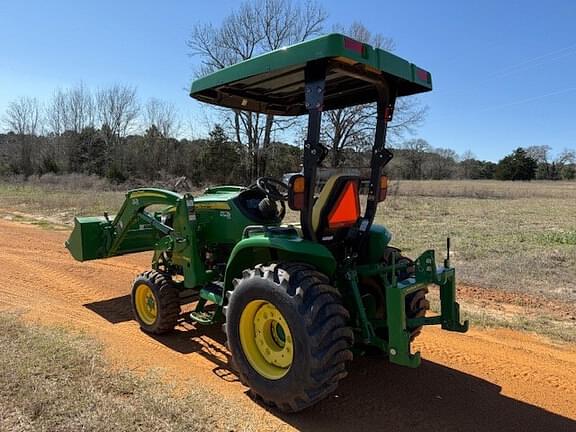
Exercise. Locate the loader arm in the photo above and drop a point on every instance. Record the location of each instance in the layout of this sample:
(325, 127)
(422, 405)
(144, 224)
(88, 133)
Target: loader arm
(133, 216)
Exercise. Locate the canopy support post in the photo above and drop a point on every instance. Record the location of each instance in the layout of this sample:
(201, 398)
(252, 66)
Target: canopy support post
(315, 81)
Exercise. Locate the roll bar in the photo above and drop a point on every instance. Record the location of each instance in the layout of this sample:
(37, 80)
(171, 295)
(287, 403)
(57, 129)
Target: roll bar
(315, 76)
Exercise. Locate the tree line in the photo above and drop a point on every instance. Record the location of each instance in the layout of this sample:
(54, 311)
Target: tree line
(416, 159)
(108, 132)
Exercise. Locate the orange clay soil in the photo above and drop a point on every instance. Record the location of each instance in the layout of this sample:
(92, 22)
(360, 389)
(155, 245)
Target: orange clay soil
(490, 380)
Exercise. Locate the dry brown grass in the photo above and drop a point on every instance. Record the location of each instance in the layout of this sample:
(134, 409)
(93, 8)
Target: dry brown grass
(52, 380)
(503, 238)
(484, 189)
(58, 198)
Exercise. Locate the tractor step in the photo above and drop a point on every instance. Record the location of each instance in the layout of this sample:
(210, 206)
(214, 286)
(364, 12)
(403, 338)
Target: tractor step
(213, 292)
(204, 318)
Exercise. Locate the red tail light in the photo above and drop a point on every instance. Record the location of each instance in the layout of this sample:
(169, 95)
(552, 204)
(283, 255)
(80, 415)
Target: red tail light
(354, 46)
(423, 75)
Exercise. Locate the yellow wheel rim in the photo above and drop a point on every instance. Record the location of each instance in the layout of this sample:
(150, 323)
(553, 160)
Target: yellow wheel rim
(266, 339)
(145, 302)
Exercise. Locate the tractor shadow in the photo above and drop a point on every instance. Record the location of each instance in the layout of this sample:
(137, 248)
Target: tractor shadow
(376, 395)
(187, 338)
(207, 341)
(115, 310)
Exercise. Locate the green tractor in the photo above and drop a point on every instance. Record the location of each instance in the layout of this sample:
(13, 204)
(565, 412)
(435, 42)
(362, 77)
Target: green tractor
(296, 300)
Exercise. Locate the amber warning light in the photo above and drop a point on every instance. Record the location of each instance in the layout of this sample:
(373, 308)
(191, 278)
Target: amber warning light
(296, 187)
(383, 188)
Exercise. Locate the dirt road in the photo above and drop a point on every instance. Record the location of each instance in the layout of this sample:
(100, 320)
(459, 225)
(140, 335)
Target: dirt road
(495, 380)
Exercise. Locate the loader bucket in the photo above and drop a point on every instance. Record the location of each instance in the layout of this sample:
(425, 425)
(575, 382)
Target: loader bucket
(90, 238)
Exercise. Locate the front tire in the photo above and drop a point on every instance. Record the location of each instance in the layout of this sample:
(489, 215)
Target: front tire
(155, 302)
(288, 336)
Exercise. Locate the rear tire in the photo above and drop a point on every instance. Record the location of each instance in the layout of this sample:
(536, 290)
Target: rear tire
(312, 320)
(155, 302)
(416, 307)
(416, 303)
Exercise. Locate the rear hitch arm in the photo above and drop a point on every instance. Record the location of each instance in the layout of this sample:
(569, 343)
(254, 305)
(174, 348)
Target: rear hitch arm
(399, 336)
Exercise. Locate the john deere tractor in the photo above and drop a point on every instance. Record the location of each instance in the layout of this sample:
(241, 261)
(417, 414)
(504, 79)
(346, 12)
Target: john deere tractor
(296, 300)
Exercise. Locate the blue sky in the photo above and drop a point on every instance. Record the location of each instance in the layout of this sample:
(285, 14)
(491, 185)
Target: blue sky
(504, 71)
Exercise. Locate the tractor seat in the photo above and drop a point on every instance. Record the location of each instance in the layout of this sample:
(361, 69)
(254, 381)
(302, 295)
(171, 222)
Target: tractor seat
(337, 207)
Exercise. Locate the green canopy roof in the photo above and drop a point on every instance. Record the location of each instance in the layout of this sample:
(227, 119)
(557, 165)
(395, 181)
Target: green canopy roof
(274, 82)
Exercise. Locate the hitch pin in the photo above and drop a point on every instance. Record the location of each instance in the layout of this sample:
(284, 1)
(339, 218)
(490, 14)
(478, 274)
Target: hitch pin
(447, 260)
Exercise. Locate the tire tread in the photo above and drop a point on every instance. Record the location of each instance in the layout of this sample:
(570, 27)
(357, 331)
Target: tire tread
(325, 319)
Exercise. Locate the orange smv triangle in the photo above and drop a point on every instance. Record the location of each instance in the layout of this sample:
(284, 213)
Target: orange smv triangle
(347, 209)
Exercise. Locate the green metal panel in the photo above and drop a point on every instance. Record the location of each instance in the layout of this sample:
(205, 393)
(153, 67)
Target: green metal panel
(427, 273)
(224, 189)
(378, 238)
(244, 79)
(186, 248)
(264, 248)
(220, 221)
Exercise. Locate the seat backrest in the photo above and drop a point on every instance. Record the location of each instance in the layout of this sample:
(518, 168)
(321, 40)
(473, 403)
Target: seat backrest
(335, 189)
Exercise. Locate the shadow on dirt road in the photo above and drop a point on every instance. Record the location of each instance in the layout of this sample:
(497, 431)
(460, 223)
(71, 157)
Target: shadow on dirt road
(114, 310)
(377, 396)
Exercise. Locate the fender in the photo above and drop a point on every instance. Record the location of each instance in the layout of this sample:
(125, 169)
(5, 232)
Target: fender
(378, 239)
(267, 247)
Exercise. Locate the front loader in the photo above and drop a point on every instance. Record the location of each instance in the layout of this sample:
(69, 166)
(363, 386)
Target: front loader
(296, 300)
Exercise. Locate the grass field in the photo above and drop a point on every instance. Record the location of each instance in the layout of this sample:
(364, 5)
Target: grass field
(54, 380)
(518, 236)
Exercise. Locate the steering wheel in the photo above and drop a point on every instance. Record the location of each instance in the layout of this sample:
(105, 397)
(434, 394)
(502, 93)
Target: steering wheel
(272, 188)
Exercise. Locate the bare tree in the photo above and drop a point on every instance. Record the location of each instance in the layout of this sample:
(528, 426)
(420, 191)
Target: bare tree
(409, 114)
(468, 162)
(70, 110)
(539, 153)
(415, 154)
(56, 113)
(566, 156)
(255, 27)
(468, 155)
(284, 23)
(80, 109)
(442, 163)
(163, 116)
(566, 164)
(352, 127)
(117, 109)
(23, 116)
